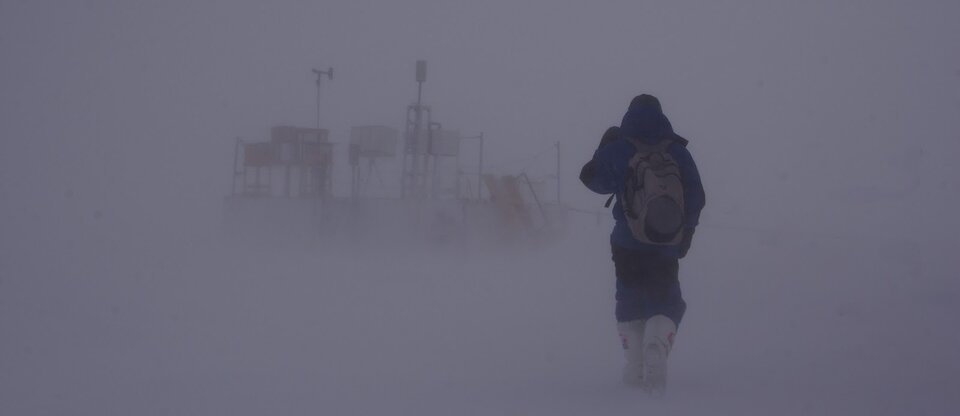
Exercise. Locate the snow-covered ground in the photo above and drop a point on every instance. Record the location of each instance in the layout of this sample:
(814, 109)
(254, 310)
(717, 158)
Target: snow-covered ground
(187, 324)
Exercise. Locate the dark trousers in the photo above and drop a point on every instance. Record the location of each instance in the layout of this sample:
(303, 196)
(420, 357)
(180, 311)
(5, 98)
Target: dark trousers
(647, 285)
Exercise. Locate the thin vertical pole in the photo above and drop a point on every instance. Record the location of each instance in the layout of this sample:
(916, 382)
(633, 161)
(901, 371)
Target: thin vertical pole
(480, 171)
(236, 156)
(558, 172)
(320, 74)
(417, 171)
(419, 93)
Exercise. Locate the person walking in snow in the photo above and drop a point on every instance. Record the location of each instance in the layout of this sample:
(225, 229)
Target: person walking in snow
(659, 196)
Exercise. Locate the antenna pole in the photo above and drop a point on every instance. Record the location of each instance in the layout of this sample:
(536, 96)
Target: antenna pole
(320, 74)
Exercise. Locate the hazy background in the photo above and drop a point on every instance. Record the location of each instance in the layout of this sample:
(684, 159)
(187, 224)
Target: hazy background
(822, 280)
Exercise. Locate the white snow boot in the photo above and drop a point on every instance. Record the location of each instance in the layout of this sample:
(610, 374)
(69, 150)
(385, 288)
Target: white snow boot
(657, 342)
(631, 337)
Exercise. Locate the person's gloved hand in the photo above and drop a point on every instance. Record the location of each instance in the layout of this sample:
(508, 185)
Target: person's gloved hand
(586, 173)
(685, 244)
(610, 135)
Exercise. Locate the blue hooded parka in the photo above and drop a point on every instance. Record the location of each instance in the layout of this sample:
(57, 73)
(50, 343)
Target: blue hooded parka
(606, 172)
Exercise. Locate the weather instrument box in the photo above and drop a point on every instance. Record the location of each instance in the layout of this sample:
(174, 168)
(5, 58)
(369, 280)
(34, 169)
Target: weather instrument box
(316, 153)
(291, 142)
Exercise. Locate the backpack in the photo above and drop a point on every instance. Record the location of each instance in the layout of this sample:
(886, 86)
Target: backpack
(653, 194)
